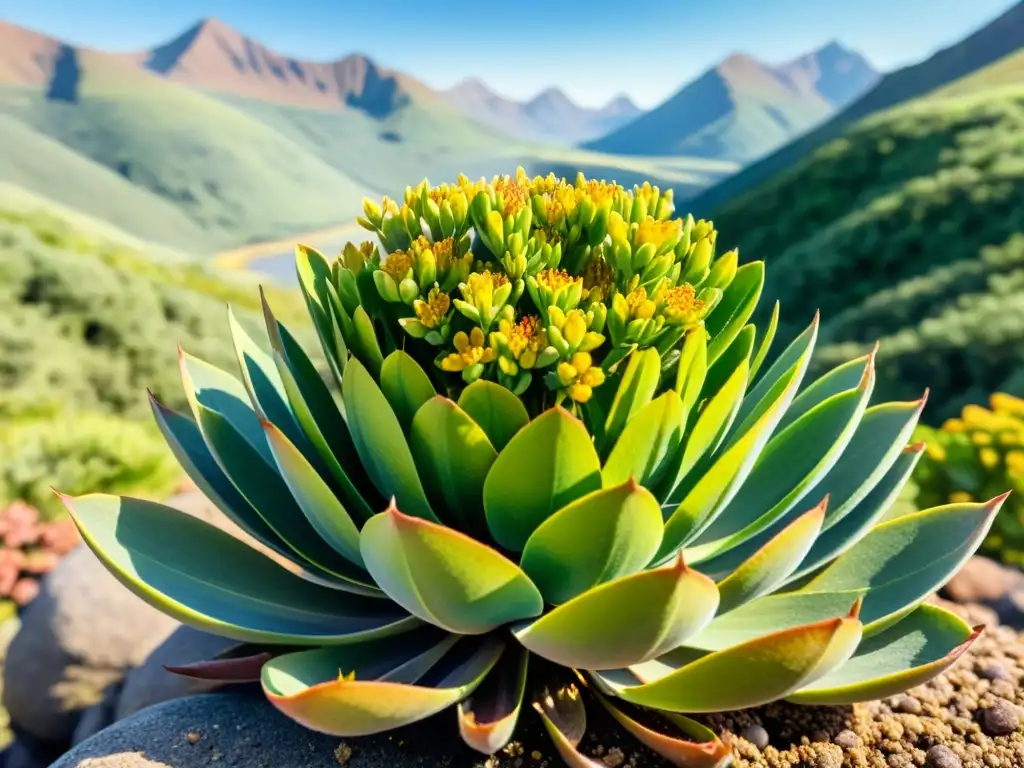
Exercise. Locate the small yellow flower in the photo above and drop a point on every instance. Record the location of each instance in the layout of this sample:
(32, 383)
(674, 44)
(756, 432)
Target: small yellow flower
(989, 458)
(397, 264)
(981, 438)
(1015, 463)
(658, 232)
(679, 305)
(525, 340)
(960, 497)
(479, 287)
(953, 426)
(601, 191)
(936, 452)
(579, 376)
(638, 306)
(556, 280)
(1008, 404)
(432, 311)
(469, 350)
(515, 192)
(598, 279)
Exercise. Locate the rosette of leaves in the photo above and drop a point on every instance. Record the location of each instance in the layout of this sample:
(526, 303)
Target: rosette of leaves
(556, 468)
(969, 456)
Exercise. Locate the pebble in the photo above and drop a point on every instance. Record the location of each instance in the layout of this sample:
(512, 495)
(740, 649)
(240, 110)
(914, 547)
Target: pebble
(993, 672)
(847, 739)
(756, 735)
(941, 756)
(907, 705)
(1001, 719)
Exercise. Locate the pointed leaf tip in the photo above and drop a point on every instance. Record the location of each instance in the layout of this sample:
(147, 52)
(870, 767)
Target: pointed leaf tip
(997, 502)
(855, 610)
(915, 447)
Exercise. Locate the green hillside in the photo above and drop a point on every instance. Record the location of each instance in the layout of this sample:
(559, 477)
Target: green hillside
(88, 321)
(996, 40)
(909, 228)
(237, 179)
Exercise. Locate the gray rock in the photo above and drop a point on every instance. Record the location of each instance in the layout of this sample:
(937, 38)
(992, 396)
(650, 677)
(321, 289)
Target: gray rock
(756, 735)
(80, 636)
(244, 731)
(150, 683)
(941, 756)
(1001, 719)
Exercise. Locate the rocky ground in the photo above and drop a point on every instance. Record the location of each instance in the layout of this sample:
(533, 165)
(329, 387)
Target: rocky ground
(98, 687)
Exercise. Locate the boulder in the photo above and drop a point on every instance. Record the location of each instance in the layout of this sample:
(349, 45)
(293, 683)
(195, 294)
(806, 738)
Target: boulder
(244, 731)
(985, 582)
(81, 635)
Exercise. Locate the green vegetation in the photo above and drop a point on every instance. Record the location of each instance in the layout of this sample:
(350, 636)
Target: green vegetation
(89, 322)
(968, 459)
(912, 225)
(590, 487)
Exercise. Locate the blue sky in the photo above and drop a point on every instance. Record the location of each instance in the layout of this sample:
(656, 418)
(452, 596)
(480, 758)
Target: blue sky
(591, 49)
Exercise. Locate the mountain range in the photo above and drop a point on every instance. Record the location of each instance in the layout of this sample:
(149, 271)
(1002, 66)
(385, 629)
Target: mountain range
(742, 108)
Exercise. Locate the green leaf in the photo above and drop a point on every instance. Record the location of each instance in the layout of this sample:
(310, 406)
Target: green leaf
(693, 368)
(210, 580)
(792, 362)
(766, 343)
(385, 694)
(320, 418)
(325, 513)
(623, 530)
(453, 456)
(791, 465)
(381, 444)
(626, 621)
(636, 389)
(488, 716)
(445, 577)
(548, 464)
(735, 308)
(708, 431)
(367, 348)
(869, 511)
(749, 675)
(730, 359)
(405, 385)
(840, 379)
(920, 647)
(498, 412)
(768, 567)
(904, 560)
(314, 274)
(186, 443)
(709, 752)
(263, 382)
(648, 443)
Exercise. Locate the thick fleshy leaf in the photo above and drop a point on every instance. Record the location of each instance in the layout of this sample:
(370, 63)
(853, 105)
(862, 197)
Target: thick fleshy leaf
(920, 647)
(748, 675)
(565, 718)
(623, 530)
(241, 669)
(708, 431)
(548, 464)
(488, 717)
(766, 343)
(453, 456)
(708, 752)
(840, 379)
(793, 462)
(723, 477)
(263, 382)
(693, 368)
(626, 621)
(314, 276)
(321, 419)
(904, 560)
(318, 503)
(369, 688)
(769, 566)
(498, 412)
(793, 361)
(210, 580)
(648, 443)
(405, 385)
(740, 349)
(636, 389)
(734, 310)
(186, 443)
(865, 515)
(444, 576)
(381, 443)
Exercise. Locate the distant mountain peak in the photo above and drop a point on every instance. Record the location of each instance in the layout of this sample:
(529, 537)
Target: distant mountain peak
(552, 97)
(621, 103)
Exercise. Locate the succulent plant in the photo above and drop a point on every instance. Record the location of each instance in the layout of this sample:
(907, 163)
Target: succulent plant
(31, 548)
(553, 470)
(970, 455)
